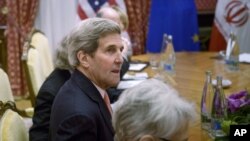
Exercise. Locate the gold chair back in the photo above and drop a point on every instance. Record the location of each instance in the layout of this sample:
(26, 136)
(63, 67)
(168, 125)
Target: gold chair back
(40, 42)
(5, 89)
(12, 127)
(37, 62)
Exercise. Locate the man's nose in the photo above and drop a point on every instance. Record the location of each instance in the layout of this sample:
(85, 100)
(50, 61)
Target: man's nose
(119, 58)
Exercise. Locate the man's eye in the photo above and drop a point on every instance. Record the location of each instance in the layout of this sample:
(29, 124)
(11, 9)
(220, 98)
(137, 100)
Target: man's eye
(121, 49)
(111, 50)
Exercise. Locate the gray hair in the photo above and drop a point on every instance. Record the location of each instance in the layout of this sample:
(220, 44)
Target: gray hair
(85, 37)
(61, 60)
(151, 108)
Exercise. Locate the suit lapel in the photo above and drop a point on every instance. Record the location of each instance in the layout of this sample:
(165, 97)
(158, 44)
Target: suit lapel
(91, 91)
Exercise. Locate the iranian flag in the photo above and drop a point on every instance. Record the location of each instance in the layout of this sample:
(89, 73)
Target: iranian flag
(231, 16)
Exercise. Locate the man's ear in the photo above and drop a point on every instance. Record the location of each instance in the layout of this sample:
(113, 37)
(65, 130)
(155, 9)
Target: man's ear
(147, 138)
(83, 58)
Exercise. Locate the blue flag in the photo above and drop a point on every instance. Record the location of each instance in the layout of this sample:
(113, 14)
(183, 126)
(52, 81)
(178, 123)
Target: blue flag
(177, 18)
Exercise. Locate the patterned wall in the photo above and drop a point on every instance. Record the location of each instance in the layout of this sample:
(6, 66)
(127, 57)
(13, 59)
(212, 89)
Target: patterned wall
(21, 17)
(138, 11)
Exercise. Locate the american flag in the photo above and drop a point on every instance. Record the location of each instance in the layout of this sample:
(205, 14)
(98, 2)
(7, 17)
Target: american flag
(88, 8)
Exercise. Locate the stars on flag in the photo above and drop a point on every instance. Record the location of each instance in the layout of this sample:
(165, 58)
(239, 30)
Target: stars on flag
(195, 38)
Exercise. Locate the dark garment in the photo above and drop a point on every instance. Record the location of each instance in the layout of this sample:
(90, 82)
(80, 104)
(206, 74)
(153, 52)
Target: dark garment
(114, 94)
(125, 67)
(40, 128)
(79, 113)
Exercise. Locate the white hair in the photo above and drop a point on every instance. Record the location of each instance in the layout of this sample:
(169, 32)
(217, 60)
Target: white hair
(61, 56)
(85, 37)
(151, 108)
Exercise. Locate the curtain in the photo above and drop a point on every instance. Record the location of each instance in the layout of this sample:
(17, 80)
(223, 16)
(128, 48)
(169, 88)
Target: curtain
(2, 13)
(138, 14)
(3, 21)
(20, 20)
(56, 18)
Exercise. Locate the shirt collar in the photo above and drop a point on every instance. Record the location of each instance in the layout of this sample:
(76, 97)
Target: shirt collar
(101, 91)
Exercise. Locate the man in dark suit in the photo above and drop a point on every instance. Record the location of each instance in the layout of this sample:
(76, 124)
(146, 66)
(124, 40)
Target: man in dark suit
(40, 128)
(81, 110)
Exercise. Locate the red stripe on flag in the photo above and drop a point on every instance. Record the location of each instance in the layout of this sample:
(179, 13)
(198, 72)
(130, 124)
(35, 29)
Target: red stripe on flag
(217, 41)
(81, 13)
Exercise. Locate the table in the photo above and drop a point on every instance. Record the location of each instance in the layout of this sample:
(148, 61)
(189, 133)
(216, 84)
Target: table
(190, 77)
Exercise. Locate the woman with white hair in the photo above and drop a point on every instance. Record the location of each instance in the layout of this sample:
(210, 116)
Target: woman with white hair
(152, 111)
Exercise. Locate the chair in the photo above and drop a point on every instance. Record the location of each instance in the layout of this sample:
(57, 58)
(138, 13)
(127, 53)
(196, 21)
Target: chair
(12, 127)
(6, 94)
(41, 43)
(5, 90)
(37, 62)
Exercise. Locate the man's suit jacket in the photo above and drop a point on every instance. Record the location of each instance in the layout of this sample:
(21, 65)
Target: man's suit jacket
(40, 128)
(79, 113)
